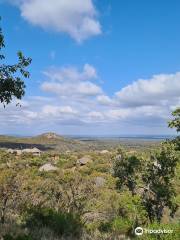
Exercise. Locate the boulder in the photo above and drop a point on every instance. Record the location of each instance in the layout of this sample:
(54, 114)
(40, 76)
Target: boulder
(10, 151)
(84, 160)
(15, 151)
(104, 152)
(48, 167)
(35, 151)
(18, 152)
(99, 181)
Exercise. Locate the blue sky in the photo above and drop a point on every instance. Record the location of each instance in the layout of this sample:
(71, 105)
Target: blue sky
(99, 67)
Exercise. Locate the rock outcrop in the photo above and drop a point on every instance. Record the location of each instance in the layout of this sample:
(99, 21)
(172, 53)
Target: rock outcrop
(48, 167)
(104, 152)
(99, 181)
(84, 160)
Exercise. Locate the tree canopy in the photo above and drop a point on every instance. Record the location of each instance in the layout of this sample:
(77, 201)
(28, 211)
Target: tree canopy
(11, 76)
(175, 123)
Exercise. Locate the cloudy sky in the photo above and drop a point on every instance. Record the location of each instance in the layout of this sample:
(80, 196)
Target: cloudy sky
(99, 67)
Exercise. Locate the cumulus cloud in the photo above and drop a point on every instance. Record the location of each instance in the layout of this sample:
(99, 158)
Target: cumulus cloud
(136, 113)
(69, 81)
(71, 73)
(57, 111)
(78, 102)
(74, 90)
(160, 89)
(95, 116)
(77, 18)
(105, 100)
(16, 115)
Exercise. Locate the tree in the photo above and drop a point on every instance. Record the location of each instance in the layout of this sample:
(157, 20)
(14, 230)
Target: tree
(11, 84)
(159, 192)
(175, 123)
(126, 169)
(76, 191)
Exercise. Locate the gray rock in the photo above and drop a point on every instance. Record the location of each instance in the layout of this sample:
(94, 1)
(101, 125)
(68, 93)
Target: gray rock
(104, 152)
(10, 150)
(99, 181)
(34, 151)
(18, 152)
(48, 167)
(14, 151)
(84, 160)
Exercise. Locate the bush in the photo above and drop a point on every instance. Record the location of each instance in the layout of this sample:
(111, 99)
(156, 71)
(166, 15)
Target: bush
(60, 223)
(121, 225)
(23, 237)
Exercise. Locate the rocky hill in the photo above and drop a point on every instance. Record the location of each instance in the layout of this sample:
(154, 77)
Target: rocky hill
(51, 135)
(45, 142)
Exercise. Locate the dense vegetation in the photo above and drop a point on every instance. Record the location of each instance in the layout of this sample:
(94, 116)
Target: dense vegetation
(106, 197)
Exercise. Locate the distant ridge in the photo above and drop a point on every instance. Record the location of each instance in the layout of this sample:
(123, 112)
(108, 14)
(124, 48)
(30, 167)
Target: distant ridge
(49, 141)
(50, 135)
(53, 142)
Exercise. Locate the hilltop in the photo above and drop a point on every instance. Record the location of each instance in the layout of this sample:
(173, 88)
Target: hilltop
(46, 142)
(51, 135)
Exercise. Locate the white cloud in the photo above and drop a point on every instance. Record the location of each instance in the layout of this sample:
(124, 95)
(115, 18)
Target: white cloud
(137, 113)
(72, 90)
(95, 116)
(31, 114)
(70, 82)
(78, 103)
(56, 111)
(159, 90)
(15, 115)
(89, 72)
(118, 114)
(71, 73)
(105, 100)
(78, 18)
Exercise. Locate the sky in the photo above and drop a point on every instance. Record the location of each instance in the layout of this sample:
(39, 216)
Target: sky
(98, 67)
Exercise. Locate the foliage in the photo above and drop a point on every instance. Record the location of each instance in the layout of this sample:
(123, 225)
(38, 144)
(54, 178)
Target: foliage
(175, 123)
(11, 84)
(159, 191)
(77, 191)
(131, 207)
(61, 224)
(175, 235)
(126, 169)
(154, 183)
(9, 193)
